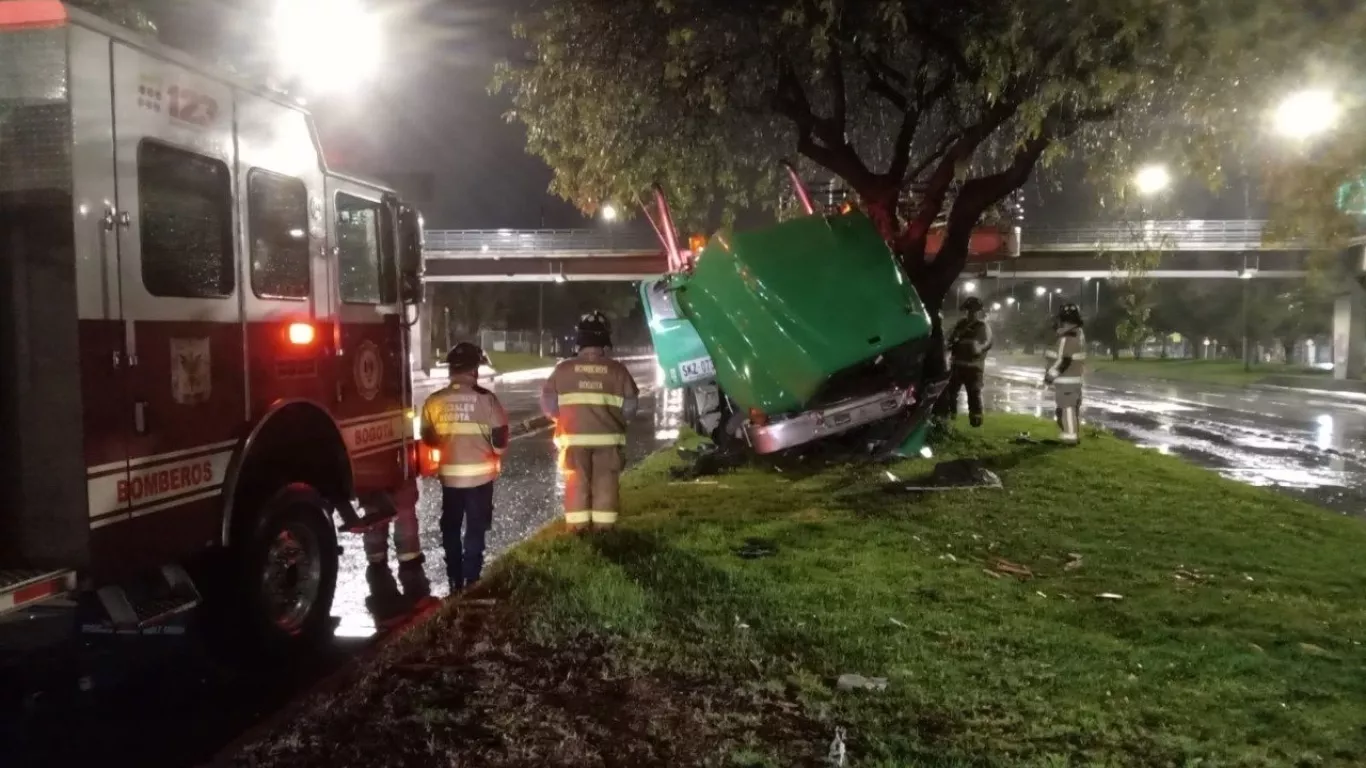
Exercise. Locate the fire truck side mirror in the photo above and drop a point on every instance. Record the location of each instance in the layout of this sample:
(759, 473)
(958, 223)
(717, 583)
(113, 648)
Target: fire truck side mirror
(410, 256)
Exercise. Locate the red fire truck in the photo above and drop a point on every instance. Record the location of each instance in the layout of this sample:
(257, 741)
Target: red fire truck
(203, 355)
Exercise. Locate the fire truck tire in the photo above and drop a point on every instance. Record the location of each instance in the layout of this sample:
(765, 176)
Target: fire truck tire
(288, 573)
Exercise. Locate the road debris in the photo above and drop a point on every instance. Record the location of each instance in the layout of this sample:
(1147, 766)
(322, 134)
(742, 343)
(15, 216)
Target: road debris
(1110, 596)
(852, 682)
(753, 549)
(1073, 562)
(837, 754)
(956, 475)
(1002, 565)
(901, 624)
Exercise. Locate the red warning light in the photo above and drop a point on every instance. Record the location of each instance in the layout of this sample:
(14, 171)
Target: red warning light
(301, 333)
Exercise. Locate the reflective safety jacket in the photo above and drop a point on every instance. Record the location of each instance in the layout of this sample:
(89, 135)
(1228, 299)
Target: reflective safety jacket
(1067, 361)
(591, 398)
(468, 425)
(969, 342)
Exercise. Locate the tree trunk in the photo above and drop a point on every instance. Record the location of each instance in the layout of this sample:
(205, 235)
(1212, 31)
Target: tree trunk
(1289, 346)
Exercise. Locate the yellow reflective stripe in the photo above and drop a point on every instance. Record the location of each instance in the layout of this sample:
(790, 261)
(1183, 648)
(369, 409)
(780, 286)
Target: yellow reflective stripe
(592, 398)
(599, 516)
(461, 428)
(577, 518)
(590, 441)
(469, 470)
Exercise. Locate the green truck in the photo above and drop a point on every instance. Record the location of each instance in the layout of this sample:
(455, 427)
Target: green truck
(795, 333)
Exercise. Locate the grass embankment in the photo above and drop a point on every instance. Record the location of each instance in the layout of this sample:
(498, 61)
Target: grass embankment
(1232, 636)
(509, 362)
(1227, 372)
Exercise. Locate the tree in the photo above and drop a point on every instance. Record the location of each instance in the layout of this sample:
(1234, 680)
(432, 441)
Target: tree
(1135, 292)
(957, 102)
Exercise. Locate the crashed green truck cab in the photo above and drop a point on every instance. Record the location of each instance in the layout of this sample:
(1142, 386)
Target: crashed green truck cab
(796, 333)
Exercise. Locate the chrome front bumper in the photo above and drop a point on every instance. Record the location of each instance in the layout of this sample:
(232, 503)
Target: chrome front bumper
(814, 425)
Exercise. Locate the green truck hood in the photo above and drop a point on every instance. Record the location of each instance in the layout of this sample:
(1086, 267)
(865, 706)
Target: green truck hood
(783, 309)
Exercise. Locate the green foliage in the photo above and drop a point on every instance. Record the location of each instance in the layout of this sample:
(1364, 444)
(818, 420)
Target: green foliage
(706, 96)
(1231, 636)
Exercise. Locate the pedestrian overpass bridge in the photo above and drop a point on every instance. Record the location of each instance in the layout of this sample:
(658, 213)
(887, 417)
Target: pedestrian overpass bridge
(1189, 248)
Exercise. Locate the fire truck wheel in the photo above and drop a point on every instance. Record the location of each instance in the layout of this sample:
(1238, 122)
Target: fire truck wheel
(290, 572)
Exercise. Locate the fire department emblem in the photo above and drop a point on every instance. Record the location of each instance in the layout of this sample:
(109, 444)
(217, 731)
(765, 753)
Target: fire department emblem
(369, 370)
(190, 379)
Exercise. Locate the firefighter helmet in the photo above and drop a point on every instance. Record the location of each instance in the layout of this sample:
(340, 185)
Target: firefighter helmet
(593, 331)
(972, 304)
(1069, 314)
(464, 358)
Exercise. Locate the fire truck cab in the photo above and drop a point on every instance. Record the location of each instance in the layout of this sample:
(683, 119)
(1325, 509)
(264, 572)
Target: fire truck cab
(203, 336)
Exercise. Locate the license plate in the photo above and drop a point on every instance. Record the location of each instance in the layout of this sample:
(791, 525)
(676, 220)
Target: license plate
(694, 370)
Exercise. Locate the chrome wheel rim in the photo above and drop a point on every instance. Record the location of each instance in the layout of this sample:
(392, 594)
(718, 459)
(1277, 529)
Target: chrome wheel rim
(292, 577)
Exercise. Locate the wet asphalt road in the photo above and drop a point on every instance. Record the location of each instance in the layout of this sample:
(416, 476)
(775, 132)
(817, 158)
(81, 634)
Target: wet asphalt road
(1307, 445)
(165, 701)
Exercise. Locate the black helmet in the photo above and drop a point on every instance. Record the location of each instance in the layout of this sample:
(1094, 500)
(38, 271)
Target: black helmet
(1069, 314)
(972, 304)
(593, 331)
(464, 358)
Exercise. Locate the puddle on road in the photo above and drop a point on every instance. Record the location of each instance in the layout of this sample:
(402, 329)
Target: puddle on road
(1303, 465)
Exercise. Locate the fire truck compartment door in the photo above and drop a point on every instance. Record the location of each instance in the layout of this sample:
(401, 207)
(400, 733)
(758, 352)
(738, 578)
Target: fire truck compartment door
(174, 163)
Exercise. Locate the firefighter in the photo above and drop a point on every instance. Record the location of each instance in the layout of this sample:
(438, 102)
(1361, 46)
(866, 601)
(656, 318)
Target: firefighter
(468, 425)
(1066, 364)
(968, 345)
(591, 398)
(406, 539)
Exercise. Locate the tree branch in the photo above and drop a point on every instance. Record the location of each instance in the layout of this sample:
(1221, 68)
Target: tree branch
(882, 86)
(910, 124)
(834, 154)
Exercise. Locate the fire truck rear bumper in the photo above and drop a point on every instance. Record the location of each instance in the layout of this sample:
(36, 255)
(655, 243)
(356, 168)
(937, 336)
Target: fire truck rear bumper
(838, 418)
(26, 587)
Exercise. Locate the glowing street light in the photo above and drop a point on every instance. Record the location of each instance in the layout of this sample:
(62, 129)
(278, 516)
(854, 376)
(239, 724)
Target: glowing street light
(1010, 300)
(1305, 114)
(969, 287)
(1152, 179)
(326, 45)
(1040, 290)
(609, 212)
(995, 306)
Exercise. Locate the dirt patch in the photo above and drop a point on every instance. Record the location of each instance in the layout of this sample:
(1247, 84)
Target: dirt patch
(469, 690)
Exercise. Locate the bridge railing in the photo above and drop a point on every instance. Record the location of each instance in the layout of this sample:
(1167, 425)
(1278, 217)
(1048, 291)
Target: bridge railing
(1166, 235)
(536, 242)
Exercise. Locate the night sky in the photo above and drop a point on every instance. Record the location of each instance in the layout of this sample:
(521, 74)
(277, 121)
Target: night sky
(428, 126)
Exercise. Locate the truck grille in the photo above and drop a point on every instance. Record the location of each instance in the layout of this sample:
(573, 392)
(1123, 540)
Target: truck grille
(898, 367)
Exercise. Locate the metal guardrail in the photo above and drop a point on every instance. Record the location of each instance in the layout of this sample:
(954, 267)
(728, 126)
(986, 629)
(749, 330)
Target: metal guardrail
(1168, 235)
(1165, 235)
(474, 243)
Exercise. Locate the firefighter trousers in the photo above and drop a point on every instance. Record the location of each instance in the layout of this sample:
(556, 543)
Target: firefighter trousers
(472, 510)
(967, 377)
(406, 540)
(1067, 402)
(592, 484)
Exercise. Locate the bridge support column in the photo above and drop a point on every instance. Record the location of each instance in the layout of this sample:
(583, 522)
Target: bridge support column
(1349, 332)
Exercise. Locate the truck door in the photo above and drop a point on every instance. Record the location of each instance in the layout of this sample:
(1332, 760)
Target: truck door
(371, 364)
(181, 306)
